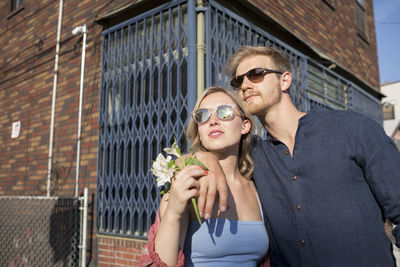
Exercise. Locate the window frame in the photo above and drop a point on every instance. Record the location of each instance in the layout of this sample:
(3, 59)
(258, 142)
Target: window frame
(361, 19)
(388, 111)
(16, 5)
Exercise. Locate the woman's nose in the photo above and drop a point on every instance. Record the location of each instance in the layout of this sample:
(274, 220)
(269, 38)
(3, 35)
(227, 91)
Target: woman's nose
(213, 118)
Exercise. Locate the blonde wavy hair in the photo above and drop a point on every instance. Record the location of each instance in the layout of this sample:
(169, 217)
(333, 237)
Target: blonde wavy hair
(245, 162)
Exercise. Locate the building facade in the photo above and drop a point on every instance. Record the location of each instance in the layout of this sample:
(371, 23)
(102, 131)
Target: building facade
(146, 62)
(391, 110)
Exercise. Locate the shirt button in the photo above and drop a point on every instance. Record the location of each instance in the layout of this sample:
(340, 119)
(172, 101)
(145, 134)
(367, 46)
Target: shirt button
(298, 207)
(270, 141)
(286, 152)
(294, 178)
(302, 242)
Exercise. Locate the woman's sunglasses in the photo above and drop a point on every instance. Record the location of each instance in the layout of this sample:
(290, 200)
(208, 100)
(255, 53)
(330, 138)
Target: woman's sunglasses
(223, 112)
(254, 75)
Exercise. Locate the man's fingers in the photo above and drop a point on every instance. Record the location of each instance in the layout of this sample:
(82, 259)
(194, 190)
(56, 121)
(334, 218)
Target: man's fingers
(190, 171)
(223, 196)
(202, 196)
(211, 192)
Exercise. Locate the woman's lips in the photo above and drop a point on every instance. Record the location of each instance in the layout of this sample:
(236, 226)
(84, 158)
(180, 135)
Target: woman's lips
(215, 133)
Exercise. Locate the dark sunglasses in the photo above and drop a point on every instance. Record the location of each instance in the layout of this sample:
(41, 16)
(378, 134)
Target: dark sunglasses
(223, 112)
(254, 75)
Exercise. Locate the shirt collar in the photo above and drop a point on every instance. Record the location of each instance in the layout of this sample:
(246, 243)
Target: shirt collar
(306, 119)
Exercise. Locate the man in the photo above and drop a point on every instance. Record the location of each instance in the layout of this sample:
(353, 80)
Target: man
(326, 179)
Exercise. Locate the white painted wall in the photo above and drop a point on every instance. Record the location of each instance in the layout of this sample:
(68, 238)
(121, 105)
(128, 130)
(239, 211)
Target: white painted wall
(392, 92)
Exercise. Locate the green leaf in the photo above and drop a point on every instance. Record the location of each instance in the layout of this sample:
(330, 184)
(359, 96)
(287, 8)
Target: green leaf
(168, 187)
(178, 150)
(171, 164)
(162, 192)
(193, 161)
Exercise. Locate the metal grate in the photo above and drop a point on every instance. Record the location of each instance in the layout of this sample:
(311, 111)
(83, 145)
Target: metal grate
(39, 231)
(146, 95)
(227, 31)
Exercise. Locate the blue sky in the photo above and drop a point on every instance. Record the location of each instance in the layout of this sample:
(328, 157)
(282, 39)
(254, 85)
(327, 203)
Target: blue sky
(387, 25)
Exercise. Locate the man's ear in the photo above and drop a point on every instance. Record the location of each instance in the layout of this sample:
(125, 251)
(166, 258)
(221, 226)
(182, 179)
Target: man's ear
(286, 81)
(246, 126)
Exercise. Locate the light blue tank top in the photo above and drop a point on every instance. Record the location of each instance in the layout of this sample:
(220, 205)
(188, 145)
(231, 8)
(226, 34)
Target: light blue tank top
(223, 242)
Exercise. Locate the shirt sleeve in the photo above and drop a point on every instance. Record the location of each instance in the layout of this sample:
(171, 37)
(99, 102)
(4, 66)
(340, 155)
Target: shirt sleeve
(149, 256)
(382, 171)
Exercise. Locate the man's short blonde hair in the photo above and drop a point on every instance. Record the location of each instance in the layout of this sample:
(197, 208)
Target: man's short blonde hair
(281, 63)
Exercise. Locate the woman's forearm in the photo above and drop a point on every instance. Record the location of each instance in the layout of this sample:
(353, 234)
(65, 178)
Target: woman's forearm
(170, 237)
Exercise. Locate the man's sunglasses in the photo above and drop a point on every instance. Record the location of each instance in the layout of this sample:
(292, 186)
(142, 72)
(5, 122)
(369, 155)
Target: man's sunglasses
(254, 75)
(223, 112)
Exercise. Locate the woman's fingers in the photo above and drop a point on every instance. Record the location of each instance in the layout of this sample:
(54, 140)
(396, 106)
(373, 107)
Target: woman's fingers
(185, 184)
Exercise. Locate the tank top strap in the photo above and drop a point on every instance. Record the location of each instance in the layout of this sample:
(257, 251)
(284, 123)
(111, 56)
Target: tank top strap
(258, 200)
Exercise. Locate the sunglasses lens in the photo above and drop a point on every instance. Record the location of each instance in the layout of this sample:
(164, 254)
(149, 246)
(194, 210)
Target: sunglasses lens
(256, 75)
(237, 81)
(224, 112)
(201, 115)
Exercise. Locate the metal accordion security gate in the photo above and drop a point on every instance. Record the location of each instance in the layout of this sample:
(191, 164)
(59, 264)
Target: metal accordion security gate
(147, 92)
(148, 89)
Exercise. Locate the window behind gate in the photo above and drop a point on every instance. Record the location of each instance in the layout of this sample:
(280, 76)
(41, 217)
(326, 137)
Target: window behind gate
(144, 105)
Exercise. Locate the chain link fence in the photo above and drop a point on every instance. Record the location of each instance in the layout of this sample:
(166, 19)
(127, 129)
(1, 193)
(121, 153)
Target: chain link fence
(39, 231)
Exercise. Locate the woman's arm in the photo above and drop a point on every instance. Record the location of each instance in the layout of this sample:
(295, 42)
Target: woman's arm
(174, 213)
(171, 233)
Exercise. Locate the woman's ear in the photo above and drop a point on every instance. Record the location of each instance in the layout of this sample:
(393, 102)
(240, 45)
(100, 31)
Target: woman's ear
(246, 126)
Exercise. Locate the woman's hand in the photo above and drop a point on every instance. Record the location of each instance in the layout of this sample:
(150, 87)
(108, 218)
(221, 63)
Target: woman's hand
(184, 186)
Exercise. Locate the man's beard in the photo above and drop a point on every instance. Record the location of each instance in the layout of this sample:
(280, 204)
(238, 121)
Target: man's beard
(260, 109)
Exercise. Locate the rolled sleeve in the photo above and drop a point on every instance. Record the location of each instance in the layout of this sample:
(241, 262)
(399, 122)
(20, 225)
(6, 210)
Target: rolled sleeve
(382, 172)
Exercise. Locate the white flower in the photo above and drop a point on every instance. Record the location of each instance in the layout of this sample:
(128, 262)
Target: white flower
(161, 170)
(164, 169)
(173, 150)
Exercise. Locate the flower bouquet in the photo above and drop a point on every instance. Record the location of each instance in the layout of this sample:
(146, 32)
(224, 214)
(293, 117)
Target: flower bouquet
(165, 168)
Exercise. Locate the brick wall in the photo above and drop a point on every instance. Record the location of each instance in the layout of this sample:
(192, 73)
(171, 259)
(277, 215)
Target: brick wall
(121, 252)
(331, 29)
(28, 40)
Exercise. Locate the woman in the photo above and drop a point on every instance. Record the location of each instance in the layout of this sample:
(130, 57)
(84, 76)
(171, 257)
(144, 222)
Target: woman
(221, 125)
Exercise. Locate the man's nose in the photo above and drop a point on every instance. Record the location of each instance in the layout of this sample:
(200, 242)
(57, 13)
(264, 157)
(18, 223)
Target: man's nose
(246, 84)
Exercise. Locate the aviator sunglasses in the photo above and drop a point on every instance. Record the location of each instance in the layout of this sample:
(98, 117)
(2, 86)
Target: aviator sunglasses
(223, 112)
(254, 75)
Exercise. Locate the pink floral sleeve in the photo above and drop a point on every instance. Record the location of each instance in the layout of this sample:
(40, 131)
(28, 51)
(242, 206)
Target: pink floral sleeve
(149, 256)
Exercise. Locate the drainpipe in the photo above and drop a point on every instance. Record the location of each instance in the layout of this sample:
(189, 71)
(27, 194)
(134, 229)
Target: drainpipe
(53, 101)
(201, 46)
(75, 31)
(84, 230)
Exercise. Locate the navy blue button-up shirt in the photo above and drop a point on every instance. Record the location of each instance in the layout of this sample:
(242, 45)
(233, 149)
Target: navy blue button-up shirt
(325, 205)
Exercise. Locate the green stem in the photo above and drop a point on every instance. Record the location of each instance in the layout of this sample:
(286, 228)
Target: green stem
(196, 210)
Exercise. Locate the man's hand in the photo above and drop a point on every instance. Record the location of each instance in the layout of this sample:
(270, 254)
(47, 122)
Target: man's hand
(210, 184)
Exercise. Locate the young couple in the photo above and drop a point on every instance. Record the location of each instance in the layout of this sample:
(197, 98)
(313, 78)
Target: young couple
(326, 180)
